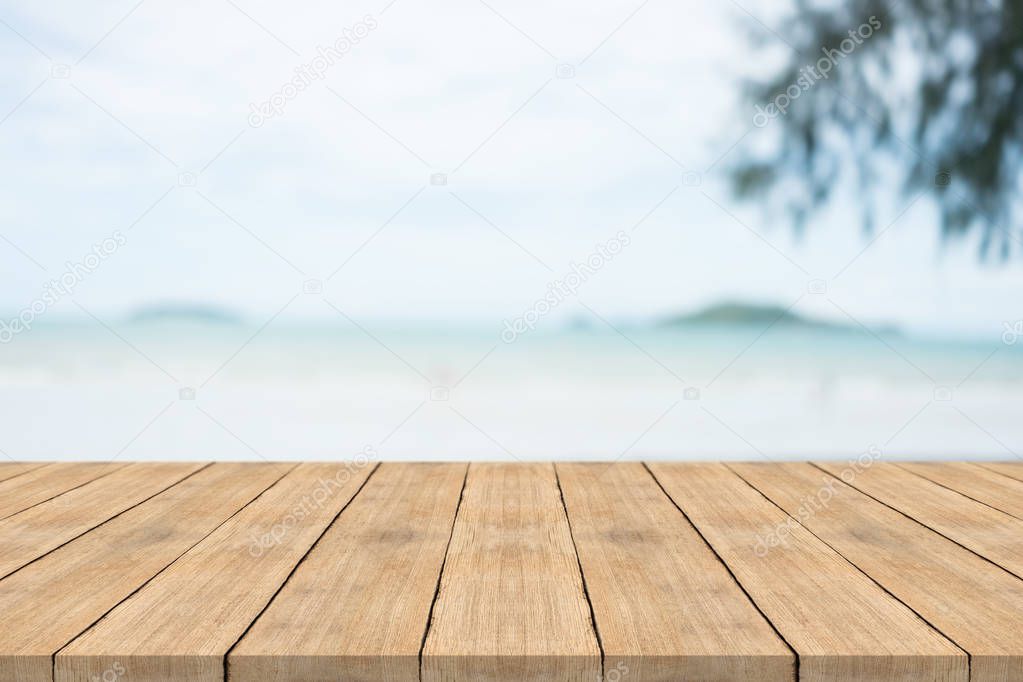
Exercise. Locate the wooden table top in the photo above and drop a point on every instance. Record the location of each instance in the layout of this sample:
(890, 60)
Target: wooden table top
(624, 572)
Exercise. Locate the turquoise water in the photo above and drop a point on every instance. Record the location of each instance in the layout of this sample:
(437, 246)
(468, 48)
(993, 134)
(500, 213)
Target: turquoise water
(311, 390)
(698, 353)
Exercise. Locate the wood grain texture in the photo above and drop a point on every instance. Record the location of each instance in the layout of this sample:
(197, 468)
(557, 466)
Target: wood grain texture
(183, 622)
(36, 531)
(48, 603)
(511, 604)
(44, 483)
(991, 533)
(12, 469)
(993, 489)
(1010, 469)
(974, 603)
(840, 623)
(445, 572)
(356, 608)
(665, 607)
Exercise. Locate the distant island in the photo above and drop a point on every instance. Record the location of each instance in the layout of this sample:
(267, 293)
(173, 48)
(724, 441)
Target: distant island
(184, 312)
(733, 313)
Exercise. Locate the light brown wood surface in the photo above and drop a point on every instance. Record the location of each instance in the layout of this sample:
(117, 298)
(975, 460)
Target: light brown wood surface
(356, 608)
(496, 572)
(12, 469)
(46, 526)
(993, 489)
(44, 483)
(183, 622)
(976, 604)
(842, 625)
(51, 601)
(1010, 469)
(991, 533)
(511, 604)
(666, 608)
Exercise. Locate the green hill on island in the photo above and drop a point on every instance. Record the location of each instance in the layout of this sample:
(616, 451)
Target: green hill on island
(733, 314)
(184, 312)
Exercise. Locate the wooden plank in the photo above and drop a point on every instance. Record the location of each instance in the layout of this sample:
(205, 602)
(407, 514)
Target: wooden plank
(991, 533)
(974, 603)
(978, 483)
(182, 623)
(36, 531)
(47, 482)
(649, 575)
(356, 608)
(1010, 469)
(47, 604)
(12, 469)
(840, 623)
(511, 604)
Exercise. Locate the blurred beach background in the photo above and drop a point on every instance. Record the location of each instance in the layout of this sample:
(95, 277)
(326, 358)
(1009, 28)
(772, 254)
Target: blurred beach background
(497, 231)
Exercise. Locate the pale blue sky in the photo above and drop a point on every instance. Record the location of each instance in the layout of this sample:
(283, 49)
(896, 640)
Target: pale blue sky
(540, 168)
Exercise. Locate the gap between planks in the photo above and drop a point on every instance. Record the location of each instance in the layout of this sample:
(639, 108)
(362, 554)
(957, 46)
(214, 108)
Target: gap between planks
(935, 524)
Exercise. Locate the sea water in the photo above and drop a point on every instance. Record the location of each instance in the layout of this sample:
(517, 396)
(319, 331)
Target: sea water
(313, 390)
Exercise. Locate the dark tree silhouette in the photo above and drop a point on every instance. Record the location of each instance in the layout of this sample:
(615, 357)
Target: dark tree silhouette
(930, 88)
